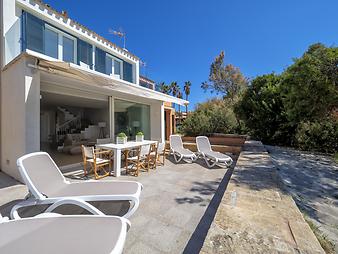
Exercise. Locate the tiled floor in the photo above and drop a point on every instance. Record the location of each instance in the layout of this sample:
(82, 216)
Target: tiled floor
(176, 210)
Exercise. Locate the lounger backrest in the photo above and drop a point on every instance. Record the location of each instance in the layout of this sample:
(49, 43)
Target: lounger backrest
(175, 142)
(40, 174)
(203, 144)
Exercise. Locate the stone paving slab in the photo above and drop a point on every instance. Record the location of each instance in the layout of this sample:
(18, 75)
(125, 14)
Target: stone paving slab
(176, 206)
(256, 214)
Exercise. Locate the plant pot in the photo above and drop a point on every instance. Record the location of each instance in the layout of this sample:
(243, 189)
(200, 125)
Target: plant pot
(121, 140)
(139, 138)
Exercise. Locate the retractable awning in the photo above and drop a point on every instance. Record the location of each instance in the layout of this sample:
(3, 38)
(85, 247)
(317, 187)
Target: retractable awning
(105, 81)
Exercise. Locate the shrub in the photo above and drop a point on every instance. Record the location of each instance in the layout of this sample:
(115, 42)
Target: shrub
(320, 135)
(140, 133)
(213, 116)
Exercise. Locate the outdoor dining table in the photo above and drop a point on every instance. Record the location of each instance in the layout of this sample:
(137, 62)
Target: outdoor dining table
(118, 148)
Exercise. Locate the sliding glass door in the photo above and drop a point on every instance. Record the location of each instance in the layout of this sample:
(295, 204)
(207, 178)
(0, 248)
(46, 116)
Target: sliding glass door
(131, 118)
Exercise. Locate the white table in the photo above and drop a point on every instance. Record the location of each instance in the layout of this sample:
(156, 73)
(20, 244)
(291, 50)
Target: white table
(117, 148)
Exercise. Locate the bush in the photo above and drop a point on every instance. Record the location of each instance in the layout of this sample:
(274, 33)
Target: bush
(262, 111)
(213, 116)
(318, 136)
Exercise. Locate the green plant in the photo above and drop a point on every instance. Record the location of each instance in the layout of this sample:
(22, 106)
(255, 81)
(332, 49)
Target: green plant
(320, 135)
(213, 116)
(121, 135)
(140, 133)
(335, 158)
(326, 244)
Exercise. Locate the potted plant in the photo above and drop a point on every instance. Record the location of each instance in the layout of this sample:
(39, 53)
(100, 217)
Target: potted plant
(139, 136)
(121, 138)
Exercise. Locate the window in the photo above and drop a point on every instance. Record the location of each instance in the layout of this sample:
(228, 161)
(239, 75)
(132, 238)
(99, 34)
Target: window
(127, 72)
(114, 65)
(33, 33)
(85, 54)
(51, 43)
(46, 39)
(68, 53)
(130, 118)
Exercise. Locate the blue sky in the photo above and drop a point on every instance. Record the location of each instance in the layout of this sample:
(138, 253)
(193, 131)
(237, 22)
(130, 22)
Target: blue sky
(179, 39)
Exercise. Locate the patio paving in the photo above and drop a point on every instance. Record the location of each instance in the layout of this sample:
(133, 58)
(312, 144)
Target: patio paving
(178, 204)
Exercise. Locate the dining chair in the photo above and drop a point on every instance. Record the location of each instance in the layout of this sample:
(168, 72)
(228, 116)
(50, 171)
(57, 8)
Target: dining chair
(139, 160)
(98, 161)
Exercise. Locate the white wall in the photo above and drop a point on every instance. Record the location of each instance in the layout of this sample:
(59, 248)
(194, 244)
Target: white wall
(20, 114)
(11, 30)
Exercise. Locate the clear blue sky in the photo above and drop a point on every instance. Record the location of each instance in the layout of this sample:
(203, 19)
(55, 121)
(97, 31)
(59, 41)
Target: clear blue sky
(178, 39)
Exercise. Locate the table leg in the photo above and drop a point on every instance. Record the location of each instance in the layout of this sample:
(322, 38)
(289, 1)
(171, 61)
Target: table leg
(117, 162)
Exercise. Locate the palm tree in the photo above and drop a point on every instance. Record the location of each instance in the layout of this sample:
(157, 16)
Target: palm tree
(174, 88)
(187, 86)
(179, 95)
(163, 88)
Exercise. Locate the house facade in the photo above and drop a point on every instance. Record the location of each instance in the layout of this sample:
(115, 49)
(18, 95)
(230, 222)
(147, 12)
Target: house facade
(63, 85)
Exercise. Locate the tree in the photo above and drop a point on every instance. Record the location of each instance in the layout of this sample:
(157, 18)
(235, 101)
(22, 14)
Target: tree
(163, 88)
(309, 85)
(262, 110)
(187, 86)
(179, 95)
(174, 88)
(225, 79)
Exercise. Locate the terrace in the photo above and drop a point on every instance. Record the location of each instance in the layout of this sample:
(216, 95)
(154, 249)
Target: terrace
(177, 205)
(189, 208)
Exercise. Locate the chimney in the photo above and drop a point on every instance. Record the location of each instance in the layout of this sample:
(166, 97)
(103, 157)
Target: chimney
(64, 14)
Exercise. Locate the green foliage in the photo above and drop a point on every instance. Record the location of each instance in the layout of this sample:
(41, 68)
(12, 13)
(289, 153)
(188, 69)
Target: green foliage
(225, 79)
(140, 133)
(213, 116)
(320, 135)
(121, 135)
(335, 157)
(296, 107)
(261, 108)
(163, 88)
(309, 86)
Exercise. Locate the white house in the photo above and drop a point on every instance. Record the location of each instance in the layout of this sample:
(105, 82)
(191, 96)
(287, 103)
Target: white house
(63, 85)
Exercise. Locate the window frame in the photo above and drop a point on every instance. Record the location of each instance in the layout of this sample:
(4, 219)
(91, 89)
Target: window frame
(113, 58)
(62, 34)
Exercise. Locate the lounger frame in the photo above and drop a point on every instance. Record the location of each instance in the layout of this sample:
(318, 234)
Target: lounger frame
(179, 156)
(211, 160)
(35, 197)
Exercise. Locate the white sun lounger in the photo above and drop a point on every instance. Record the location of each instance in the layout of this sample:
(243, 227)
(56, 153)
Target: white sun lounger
(179, 152)
(211, 157)
(65, 234)
(47, 185)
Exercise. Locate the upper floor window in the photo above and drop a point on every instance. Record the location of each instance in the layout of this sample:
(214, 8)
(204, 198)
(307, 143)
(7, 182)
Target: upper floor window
(59, 45)
(114, 66)
(46, 39)
(41, 37)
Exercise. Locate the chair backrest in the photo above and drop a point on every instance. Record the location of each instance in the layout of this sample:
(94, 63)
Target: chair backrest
(40, 173)
(104, 141)
(203, 144)
(175, 141)
(160, 147)
(87, 152)
(145, 149)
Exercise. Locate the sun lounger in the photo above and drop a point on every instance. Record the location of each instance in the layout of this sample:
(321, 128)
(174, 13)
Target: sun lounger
(179, 152)
(47, 185)
(211, 157)
(65, 234)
